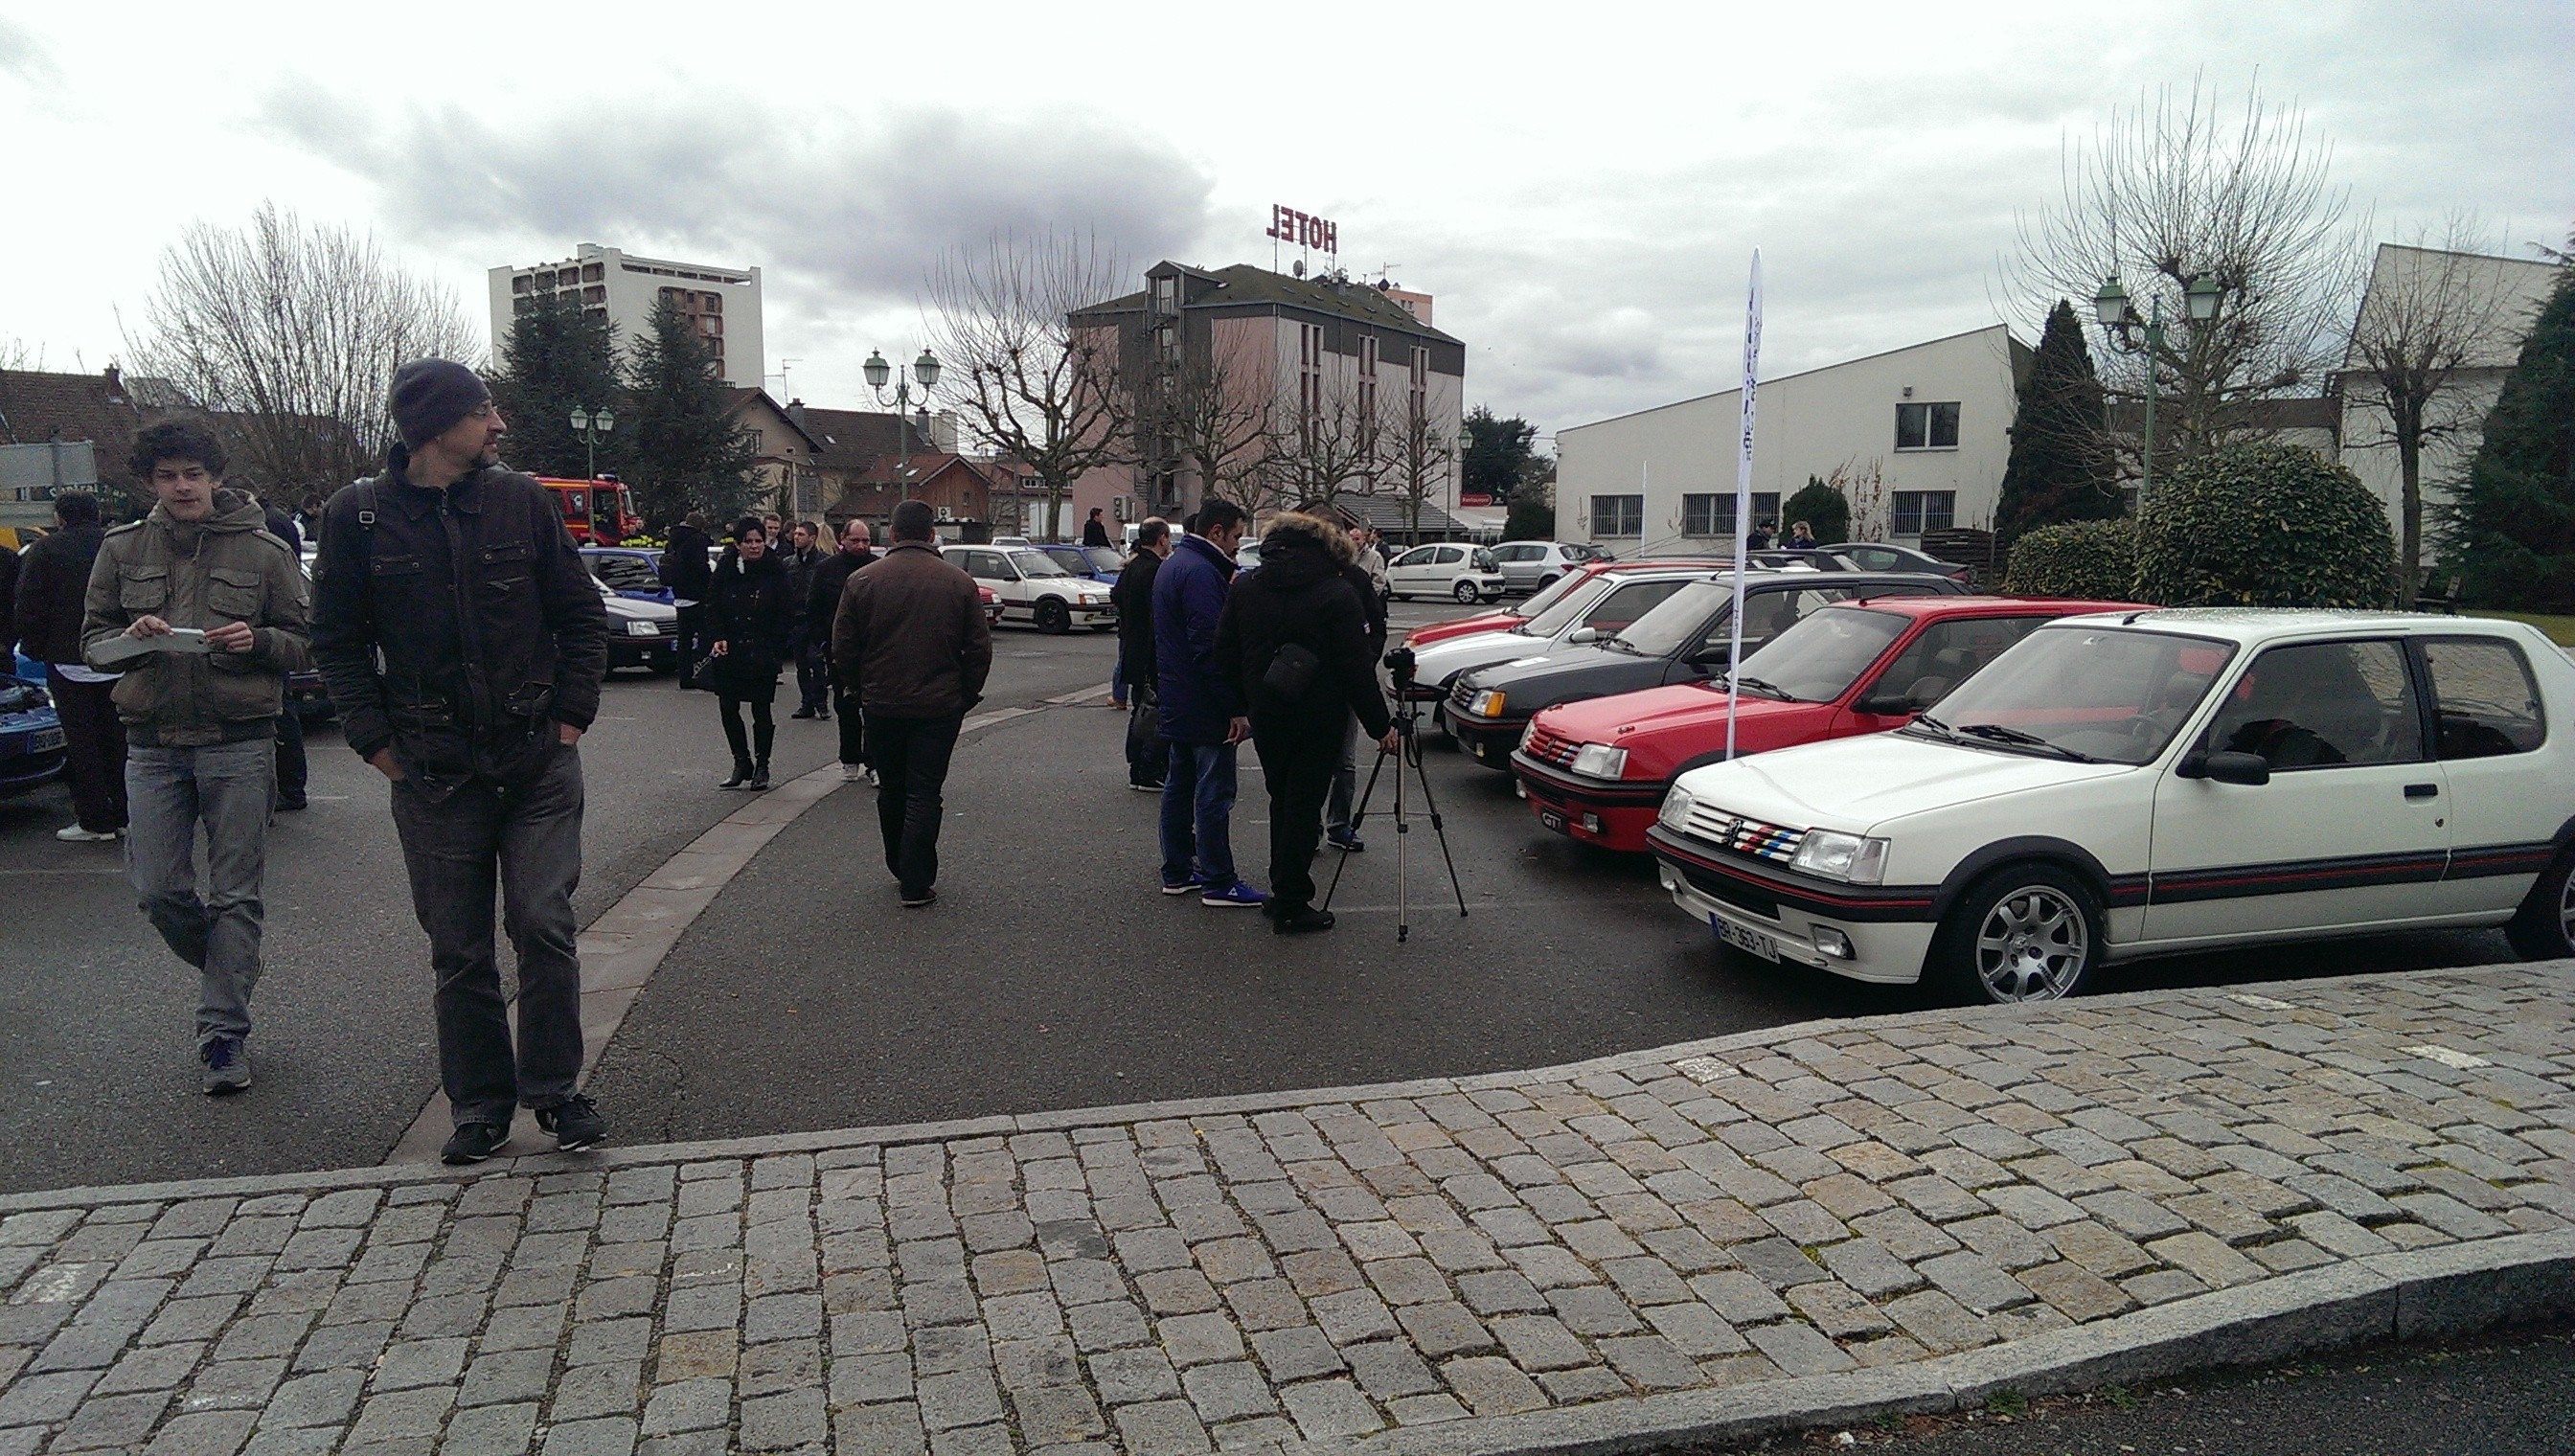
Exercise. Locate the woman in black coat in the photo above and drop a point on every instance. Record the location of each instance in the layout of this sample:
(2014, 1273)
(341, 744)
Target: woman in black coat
(747, 617)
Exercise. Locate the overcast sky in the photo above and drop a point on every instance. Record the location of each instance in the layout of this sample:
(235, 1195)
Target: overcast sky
(1580, 185)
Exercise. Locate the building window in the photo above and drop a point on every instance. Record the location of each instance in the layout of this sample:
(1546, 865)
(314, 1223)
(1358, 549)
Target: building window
(1367, 379)
(1927, 426)
(1309, 372)
(1420, 390)
(1714, 514)
(1618, 515)
(1919, 511)
(1166, 295)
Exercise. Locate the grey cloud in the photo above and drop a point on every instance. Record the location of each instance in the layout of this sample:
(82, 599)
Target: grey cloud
(825, 204)
(22, 55)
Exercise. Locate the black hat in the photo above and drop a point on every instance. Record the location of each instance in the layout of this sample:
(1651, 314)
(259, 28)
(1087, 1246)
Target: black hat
(431, 395)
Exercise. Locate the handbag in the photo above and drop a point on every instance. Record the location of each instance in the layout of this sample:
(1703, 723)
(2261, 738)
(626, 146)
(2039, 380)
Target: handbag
(1292, 672)
(701, 673)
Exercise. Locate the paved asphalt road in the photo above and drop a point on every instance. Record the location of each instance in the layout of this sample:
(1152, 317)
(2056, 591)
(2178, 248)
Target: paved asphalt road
(2509, 1394)
(1052, 975)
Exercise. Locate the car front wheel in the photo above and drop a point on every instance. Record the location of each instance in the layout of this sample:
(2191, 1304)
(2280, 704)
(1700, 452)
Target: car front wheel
(2544, 928)
(2027, 932)
(1053, 617)
(1465, 591)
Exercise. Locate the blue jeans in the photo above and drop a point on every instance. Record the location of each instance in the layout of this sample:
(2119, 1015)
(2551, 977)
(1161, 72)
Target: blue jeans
(1197, 799)
(227, 788)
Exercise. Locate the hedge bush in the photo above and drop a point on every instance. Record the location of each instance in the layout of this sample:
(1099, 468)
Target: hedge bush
(2264, 525)
(2090, 559)
(1819, 505)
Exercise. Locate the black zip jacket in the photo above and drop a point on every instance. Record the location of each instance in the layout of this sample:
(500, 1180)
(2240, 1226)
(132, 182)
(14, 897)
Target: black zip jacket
(489, 630)
(1299, 596)
(1134, 598)
(823, 598)
(749, 609)
(53, 588)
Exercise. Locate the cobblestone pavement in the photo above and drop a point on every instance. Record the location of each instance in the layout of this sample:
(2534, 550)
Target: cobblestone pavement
(1312, 1267)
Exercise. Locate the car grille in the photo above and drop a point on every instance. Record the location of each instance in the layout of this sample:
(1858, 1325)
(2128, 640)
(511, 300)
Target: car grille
(1741, 835)
(1462, 693)
(1548, 747)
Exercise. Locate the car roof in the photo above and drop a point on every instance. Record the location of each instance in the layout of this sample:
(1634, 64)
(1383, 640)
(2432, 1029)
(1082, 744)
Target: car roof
(2253, 625)
(1988, 606)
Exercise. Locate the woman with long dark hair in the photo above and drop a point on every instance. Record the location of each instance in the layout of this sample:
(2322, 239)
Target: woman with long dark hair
(748, 616)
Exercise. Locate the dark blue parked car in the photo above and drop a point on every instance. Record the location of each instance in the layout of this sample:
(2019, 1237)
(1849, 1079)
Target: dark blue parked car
(1098, 562)
(629, 570)
(31, 737)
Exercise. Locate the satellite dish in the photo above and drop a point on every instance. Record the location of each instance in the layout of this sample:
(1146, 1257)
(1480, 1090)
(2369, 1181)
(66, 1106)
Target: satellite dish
(1299, 267)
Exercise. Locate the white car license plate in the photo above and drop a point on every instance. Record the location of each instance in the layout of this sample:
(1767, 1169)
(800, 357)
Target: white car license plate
(45, 741)
(1742, 939)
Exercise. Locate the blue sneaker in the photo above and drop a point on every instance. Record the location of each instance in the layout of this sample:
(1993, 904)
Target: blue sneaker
(1181, 886)
(1236, 895)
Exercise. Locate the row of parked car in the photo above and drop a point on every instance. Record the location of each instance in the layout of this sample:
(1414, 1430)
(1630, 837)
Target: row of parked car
(1898, 780)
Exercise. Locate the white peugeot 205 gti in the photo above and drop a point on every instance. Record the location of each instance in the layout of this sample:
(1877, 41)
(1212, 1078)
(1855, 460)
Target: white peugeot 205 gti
(2146, 782)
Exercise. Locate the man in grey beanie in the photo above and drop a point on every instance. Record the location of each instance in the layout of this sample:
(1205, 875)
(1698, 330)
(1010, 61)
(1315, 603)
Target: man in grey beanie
(463, 643)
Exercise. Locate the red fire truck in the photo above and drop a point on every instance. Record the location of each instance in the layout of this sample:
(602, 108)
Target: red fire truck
(587, 505)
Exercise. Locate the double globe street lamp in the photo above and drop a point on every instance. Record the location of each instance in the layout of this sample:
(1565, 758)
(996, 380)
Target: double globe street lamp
(590, 424)
(926, 370)
(2132, 334)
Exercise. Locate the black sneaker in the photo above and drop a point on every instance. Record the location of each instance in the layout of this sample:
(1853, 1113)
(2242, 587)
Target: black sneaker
(472, 1142)
(1302, 923)
(574, 1123)
(227, 1063)
(1346, 844)
(921, 900)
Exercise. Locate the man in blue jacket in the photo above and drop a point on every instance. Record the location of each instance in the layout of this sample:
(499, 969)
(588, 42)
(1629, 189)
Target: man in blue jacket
(1203, 715)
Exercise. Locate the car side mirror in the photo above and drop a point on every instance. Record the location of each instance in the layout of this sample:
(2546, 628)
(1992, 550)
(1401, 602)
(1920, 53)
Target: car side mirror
(1888, 704)
(1584, 635)
(1721, 655)
(2249, 770)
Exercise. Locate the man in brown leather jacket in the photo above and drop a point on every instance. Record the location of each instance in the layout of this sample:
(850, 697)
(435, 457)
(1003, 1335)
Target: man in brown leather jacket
(911, 634)
(203, 612)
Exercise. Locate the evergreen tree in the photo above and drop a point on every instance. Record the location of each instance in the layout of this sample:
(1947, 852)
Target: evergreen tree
(1497, 455)
(688, 452)
(1532, 506)
(557, 358)
(1819, 505)
(2512, 535)
(2061, 465)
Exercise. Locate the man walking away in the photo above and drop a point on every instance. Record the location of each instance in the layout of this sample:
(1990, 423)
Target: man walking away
(911, 634)
(1200, 711)
(1295, 639)
(1338, 828)
(1146, 756)
(463, 643)
(203, 724)
(688, 568)
(53, 592)
(811, 655)
(1095, 532)
(822, 606)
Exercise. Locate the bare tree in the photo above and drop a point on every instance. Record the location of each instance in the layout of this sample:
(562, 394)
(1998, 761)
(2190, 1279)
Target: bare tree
(14, 354)
(2185, 186)
(1416, 455)
(2436, 306)
(1034, 387)
(289, 333)
(1213, 414)
(1329, 444)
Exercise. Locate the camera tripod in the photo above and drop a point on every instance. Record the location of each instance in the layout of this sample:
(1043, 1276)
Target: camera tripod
(1407, 726)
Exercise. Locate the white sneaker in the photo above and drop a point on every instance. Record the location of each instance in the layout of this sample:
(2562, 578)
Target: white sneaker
(75, 835)
(871, 779)
(853, 774)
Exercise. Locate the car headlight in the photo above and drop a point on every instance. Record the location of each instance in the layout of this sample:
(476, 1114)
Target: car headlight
(641, 626)
(1676, 808)
(1600, 760)
(1831, 855)
(1486, 703)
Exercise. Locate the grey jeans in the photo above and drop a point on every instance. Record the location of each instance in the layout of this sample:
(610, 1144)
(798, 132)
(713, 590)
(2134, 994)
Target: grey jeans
(520, 842)
(226, 789)
(1345, 781)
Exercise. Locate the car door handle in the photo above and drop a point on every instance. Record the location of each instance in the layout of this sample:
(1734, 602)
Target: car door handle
(2422, 791)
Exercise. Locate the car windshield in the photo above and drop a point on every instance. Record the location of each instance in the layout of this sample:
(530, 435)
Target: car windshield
(1103, 559)
(1578, 552)
(1818, 660)
(1554, 592)
(1567, 607)
(625, 573)
(1038, 564)
(2102, 694)
(1676, 623)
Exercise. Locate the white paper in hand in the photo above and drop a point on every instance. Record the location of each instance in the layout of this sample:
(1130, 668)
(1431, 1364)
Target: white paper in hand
(125, 649)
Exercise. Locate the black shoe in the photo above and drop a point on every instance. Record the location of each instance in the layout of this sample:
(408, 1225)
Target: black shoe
(1346, 844)
(759, 778)
(574, 1123)
(473, 1142)
(918, 901)
(801, 713)
(741, 776)
(823, 714)
(288, 806)
(1302, 923)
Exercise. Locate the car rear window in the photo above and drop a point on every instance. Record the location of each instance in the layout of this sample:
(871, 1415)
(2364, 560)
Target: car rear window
(2484, 702)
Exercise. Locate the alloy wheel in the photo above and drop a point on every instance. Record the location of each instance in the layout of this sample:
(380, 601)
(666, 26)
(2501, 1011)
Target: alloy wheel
(2566, 910)
(2033, 944)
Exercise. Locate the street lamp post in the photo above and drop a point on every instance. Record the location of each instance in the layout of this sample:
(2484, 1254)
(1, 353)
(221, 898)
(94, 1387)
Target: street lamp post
(926, 370)
(590, 424)
(2131, 334)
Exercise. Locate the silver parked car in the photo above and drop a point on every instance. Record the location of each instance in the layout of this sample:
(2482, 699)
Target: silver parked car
(1530, 566)
(1599, 607)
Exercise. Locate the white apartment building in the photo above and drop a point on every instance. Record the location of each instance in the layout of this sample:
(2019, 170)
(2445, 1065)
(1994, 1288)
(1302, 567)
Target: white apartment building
(2499, 295)
(722, 304)
(1920, 434)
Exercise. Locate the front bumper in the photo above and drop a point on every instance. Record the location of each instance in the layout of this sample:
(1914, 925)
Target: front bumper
(1883, 951)
(1613, 816)
(657, 653)
(1489, 741)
